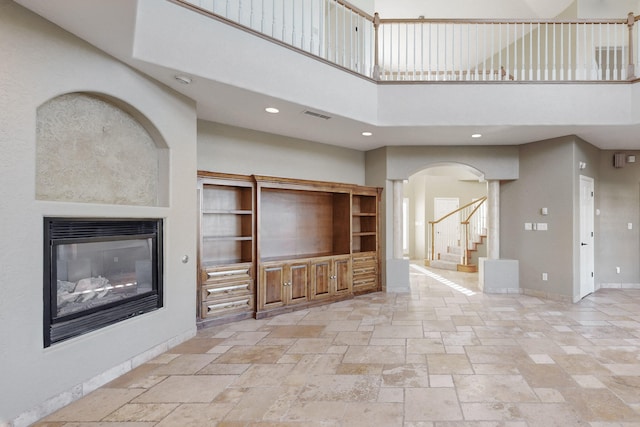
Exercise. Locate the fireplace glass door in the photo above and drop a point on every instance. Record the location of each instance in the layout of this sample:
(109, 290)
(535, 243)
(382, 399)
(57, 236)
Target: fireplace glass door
(100, 273)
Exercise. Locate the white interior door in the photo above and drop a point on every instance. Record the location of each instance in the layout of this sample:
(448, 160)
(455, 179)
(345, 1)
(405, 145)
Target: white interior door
(587, 281)
(448, 230)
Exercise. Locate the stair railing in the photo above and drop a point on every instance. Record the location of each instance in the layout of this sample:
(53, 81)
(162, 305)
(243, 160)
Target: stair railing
(473, 225)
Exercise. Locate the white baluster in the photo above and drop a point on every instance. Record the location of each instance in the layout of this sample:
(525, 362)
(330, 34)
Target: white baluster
(523, 74)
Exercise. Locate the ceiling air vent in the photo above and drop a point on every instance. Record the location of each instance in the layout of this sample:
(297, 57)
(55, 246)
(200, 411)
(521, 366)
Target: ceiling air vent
(314, 114)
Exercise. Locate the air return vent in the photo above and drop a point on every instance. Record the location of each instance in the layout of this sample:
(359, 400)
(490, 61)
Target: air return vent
(314, 114)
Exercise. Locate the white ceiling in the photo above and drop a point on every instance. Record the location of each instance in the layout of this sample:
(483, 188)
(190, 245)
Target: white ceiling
(110, 26)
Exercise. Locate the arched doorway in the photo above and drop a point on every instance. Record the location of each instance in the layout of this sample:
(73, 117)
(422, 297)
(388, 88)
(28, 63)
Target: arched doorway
(445, 217)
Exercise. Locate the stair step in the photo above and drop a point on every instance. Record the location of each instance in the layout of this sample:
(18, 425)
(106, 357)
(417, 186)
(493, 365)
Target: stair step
(450, 257)
(455, 250)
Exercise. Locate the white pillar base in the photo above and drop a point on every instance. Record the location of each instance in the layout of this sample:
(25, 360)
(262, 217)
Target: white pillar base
(397, 275)
(499, 276)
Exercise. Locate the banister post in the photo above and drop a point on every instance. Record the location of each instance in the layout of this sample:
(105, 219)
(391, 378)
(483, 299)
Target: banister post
(376, 63)
(631, 67)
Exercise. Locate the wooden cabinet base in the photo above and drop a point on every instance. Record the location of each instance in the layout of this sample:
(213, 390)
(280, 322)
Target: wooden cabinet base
(299, 306)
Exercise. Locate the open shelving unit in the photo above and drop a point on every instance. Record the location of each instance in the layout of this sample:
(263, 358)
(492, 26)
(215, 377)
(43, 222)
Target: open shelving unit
(227, 246)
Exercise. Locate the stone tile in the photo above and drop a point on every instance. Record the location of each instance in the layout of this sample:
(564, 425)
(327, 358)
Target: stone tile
(352, 338)
(196, 415)
(425, 346)
(436, 381)
(395, 331)
(493, 388)
(317, 412)
(95, 406)
(491, 411)
(296, 331)
(142, 412)
(442, 405)
(375, 354)
(196, 345)
(185, 364)
(361, 414)
(449, 364)
(342, 388)
(186, 389)
(405, 375)
(588, 381)
(244, 338)
(140, 377)
(600, 405)
(263, 375)
(250, 354)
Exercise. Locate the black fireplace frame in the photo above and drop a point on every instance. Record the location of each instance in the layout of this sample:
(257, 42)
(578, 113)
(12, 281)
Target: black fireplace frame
(65, 230)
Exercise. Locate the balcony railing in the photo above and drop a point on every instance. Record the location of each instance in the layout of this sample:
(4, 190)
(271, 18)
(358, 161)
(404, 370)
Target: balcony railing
(437, 49)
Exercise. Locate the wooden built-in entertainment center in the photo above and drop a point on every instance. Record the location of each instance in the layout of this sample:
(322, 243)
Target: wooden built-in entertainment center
(273, 245)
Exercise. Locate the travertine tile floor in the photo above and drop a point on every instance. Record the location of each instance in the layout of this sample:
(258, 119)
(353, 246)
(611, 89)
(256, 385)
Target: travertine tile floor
(439, 356)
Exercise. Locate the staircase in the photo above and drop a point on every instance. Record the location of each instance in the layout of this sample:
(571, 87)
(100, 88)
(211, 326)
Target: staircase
(453, 259)
(462, 247)
(447, 261)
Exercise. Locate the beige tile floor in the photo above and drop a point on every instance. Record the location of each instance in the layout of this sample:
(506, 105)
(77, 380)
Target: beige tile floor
(441, 356)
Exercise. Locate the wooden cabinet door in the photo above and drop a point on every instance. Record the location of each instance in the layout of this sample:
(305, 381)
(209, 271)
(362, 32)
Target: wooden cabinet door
(321, 278)
(273, 279)
(342, 275)
(297, 282)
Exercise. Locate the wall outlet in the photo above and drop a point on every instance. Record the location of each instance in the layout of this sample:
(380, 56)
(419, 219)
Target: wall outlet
(545, 276)
(618, 270)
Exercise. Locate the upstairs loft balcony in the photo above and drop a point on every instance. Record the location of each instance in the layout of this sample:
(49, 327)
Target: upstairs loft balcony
(251, 54)
(440, 49)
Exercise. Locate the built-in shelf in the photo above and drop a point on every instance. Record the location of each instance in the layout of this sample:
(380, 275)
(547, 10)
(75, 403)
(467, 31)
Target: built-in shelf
(226, 251)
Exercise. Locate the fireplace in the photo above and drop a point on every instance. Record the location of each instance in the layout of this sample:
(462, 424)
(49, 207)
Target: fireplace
(98, 272)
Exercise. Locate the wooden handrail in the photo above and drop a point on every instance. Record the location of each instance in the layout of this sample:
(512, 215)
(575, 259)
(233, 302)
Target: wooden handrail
(478, 203)
(457, 210)
(499, 21)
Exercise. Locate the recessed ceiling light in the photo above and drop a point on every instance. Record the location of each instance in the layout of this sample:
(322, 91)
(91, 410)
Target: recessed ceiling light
(185, 80)
(272, 110)
(366, 134)
(476, 135)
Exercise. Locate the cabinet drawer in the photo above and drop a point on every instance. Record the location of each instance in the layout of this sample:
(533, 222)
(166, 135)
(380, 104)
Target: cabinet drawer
(364, 259)
(365, 283)
(365, 270)
(225, 306)
(211, 292)
(226, 274)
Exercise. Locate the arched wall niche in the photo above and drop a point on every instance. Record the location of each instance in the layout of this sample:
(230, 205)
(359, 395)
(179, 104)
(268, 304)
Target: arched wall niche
(93, 148)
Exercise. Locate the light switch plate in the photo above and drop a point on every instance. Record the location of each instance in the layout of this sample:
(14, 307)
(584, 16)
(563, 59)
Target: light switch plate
(528, 226)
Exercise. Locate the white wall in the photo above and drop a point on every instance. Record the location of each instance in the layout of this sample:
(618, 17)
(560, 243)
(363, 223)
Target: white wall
(606, 9)
(494, 9)
(39, 62)
(230, 149)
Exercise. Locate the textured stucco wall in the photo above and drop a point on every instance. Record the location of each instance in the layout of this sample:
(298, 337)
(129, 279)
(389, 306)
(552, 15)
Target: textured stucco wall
(88, 150)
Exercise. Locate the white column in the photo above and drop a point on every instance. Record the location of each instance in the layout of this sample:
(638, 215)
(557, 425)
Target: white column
(493, 219)
(397, 219)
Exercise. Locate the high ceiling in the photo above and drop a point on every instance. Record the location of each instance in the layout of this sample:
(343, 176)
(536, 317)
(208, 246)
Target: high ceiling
(111, 27)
